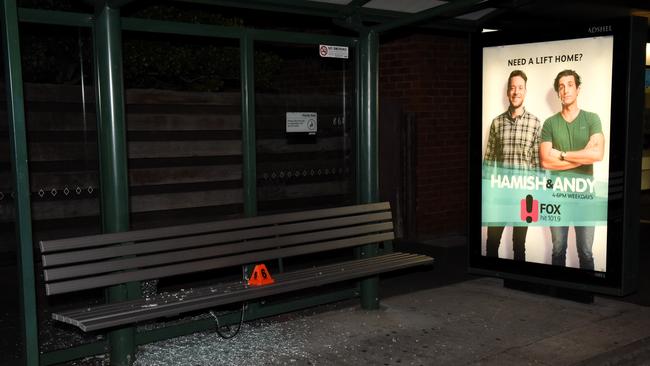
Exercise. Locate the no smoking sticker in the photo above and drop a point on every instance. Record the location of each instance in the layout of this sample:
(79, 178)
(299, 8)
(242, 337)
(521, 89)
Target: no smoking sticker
(333, 51)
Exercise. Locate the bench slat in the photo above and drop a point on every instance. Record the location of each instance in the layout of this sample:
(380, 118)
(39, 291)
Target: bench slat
(197, 266)
(193, 229)
(80, 256)
(115, 265)
(298, 280)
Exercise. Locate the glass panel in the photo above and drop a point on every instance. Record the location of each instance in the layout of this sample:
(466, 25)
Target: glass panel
(62, 139)
(245, 16)
(64, 5)
(184, 128)
(184, 13)
(305, 117)
(184, 135)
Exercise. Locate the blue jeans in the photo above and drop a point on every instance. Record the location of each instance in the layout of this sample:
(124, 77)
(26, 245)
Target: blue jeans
(584, 244)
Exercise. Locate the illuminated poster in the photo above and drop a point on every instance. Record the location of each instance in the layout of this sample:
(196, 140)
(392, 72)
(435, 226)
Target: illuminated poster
(545, 133)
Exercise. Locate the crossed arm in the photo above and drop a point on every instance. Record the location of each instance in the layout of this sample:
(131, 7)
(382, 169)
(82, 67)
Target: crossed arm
(591, 153)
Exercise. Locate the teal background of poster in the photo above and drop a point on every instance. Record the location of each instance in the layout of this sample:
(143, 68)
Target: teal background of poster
(568, 200)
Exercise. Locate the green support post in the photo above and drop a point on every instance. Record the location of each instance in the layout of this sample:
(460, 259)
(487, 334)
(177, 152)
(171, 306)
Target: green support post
(20, 170)
(113, 158)
(367, 150)
(249, 159)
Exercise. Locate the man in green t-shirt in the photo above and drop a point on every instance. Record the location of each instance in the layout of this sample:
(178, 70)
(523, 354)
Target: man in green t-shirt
(572, 140)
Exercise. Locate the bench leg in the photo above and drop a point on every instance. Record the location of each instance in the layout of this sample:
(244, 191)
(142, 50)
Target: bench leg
(122, 347)
(122, 341)
(370, 286)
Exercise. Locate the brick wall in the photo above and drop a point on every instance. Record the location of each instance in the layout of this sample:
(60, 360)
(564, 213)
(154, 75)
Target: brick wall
(428, 76)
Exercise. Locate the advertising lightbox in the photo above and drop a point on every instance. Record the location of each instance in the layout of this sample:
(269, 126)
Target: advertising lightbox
(553, 148)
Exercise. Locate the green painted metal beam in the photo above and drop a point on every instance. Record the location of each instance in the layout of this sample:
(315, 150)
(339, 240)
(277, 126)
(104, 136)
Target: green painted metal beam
(158, 26)
(20, 174)
(177, 330)
(147, 25)
(368, 135)
(303, 38)
(116, 4)
(249, 151)
(111, 124)
(113, 4)
(449, 10)
(352, 16)
(368, 147)
(113, 158)
(337, 12)
(357, 3)
(55, 17)
(311, 8)
(161, 26)
(74, 353)
(200, 325)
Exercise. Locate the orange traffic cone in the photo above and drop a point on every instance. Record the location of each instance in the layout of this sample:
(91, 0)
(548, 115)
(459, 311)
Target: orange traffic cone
(260, 276)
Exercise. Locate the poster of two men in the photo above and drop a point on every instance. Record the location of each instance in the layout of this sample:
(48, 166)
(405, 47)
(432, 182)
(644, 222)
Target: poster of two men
(545, 133)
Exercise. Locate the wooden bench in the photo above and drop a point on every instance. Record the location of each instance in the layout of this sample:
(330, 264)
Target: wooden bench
(104, 260)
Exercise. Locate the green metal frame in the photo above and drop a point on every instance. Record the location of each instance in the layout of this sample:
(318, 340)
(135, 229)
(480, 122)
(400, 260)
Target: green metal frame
(55, 17)
(113, 159)
(111, 133)
(193, 326)
(340, 14)
(368, 147)
(107, 26)
(249, 158)
(20, 170)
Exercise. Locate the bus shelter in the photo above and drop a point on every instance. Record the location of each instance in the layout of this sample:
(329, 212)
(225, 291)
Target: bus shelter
(101, 29)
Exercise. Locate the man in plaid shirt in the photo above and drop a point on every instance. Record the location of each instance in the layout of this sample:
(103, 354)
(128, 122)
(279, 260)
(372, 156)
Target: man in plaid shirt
(513, 143)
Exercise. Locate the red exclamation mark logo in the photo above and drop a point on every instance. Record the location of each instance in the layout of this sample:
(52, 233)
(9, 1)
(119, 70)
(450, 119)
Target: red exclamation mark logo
(529, 209)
